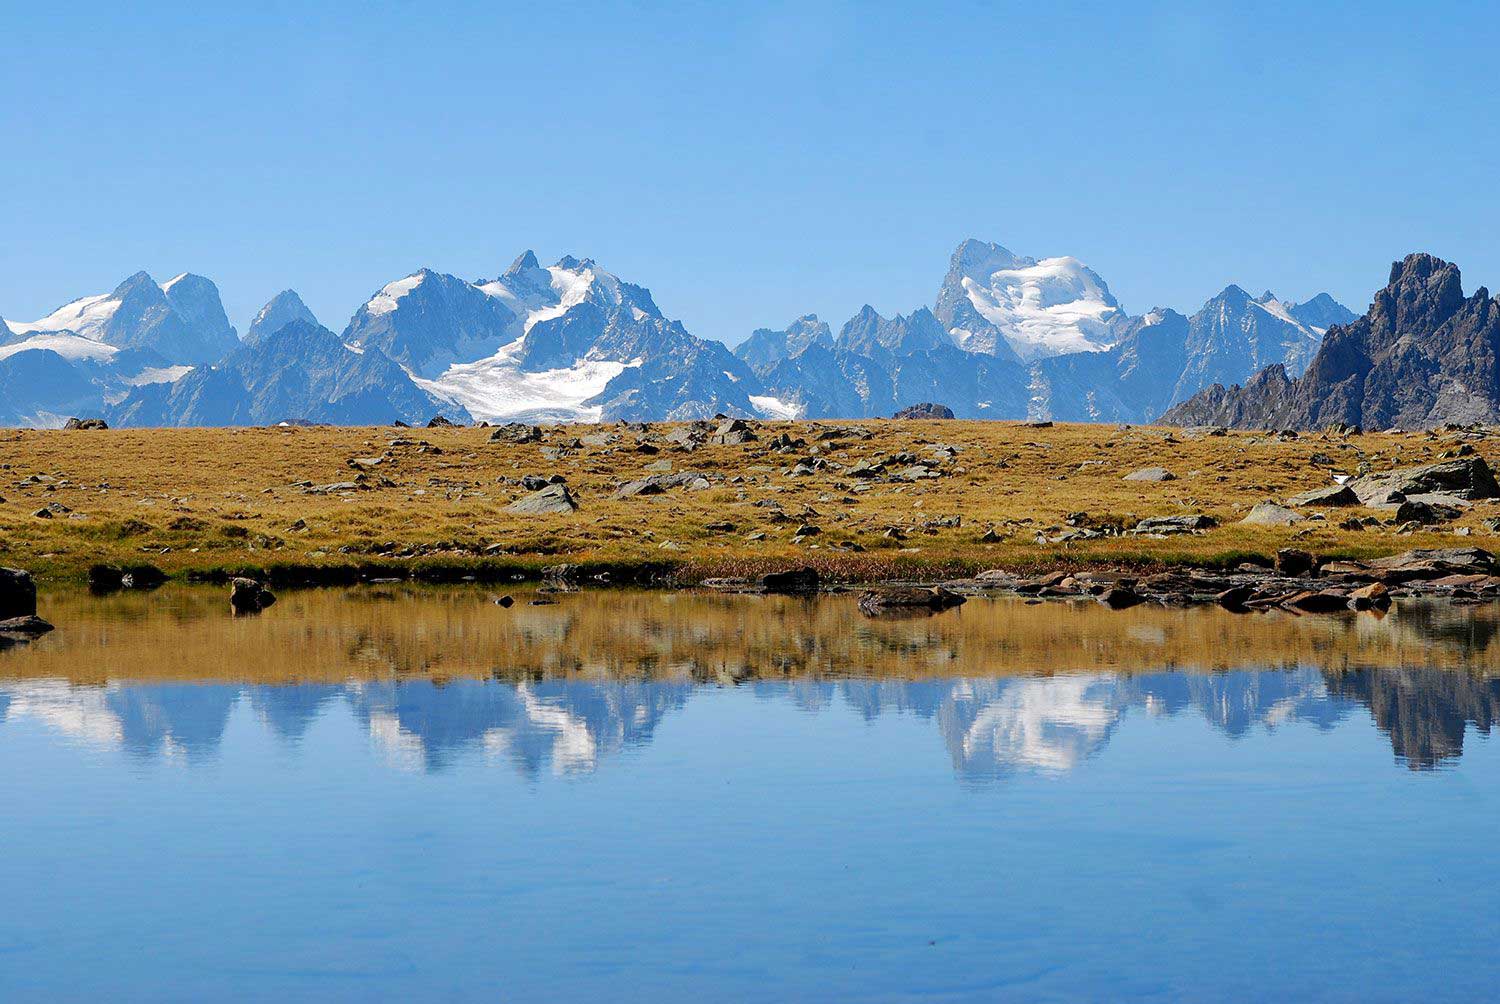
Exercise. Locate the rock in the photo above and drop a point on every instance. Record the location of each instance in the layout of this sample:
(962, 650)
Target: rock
(1317, 602)
(28, 626)
(1235, 597)
(925, 410)
(876, 602)
(1176, 524)
(555, 499)
(563, 576)
(85, 423)
(246, 596)
(1466, 478)
(1423, 513)
(505, 601)
(732, 432)
(1151, 474)
(1332, 495)
(516, 432)
(1434, 563)
(1037, 423)
(43, 513)
(1294, 563)
(1375, 596)
(439, 422)
(1119, 598)
(17, 593)
(1271, 514)
(795, 580)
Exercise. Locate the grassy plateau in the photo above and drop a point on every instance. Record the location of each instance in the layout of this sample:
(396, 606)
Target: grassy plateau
(303, 503)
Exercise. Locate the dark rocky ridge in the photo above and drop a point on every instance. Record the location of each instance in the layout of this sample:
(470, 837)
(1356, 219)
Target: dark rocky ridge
(1423, 355)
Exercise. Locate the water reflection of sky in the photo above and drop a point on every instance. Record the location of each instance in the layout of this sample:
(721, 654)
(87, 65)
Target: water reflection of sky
(989, 727)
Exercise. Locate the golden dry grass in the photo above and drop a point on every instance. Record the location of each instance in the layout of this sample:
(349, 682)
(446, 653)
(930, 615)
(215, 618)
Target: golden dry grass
(207, 499)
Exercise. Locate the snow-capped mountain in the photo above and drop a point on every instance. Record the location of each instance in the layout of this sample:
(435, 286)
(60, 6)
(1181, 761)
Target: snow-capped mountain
(181, 320)
(992, 300)
(1009, 337)
(566, 342)
(283, 309)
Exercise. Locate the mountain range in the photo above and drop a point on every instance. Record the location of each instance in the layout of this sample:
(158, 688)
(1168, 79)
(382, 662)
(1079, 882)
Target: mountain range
(1007, 336)
(1424, 355)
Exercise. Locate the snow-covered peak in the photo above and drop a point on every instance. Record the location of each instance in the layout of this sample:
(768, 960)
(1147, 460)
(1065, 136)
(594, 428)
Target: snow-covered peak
(1044, 308)
(978, 259)
(85, 316)
(389, 295)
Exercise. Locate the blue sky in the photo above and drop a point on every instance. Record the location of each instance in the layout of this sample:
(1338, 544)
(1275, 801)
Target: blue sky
(748, 163)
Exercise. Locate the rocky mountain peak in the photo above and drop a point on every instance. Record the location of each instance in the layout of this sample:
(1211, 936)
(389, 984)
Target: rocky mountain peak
(285, 308)
(525, 262)
(1423, 291)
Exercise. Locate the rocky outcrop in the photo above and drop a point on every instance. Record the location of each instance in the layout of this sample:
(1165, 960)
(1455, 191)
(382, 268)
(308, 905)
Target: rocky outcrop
(925, 410)
(1423, 355)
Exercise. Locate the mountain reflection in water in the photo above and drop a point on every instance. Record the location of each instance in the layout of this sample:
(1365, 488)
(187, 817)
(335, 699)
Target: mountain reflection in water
(991, 727)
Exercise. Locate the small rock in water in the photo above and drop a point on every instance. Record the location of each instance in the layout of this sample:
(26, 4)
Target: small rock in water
(246, 596)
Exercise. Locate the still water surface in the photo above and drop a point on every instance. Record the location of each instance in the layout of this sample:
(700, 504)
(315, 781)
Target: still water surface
(636, 796)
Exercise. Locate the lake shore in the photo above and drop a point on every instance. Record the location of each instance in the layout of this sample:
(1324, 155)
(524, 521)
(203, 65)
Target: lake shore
(678, 503)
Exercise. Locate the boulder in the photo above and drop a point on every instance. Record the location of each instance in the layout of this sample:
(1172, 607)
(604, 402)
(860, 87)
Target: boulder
(93, 424)
(246, 596)
(1151, 474)
(925, 410)
(1424, 513)
(1331, 495)
(27, 627)
(1176, 524)
(1434, 563)
(794, 580)
(904, 599)
(17, 594)
(1271, 514)
(553, 499)
(1119, 598)
(1317, 602)
(1467, 478)
(516, 432)
(732, 432)
(1293, 562)
(1375, 596)
(439, 422)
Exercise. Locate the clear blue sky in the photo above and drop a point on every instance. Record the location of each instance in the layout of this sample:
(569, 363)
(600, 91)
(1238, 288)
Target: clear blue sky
(748, 163)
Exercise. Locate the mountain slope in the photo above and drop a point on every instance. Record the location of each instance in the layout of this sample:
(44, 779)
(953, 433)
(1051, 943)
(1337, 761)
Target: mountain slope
(766, 347)
(1424, 354)
(301, 371)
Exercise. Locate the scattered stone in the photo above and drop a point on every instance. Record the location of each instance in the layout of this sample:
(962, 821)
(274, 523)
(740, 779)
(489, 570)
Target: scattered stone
(1151, 474)
(439, 422)
(553, 499)
(1332, 495)
(1271, 514)
(516, 432)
